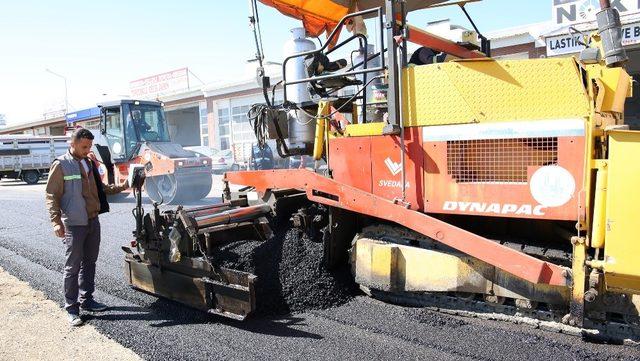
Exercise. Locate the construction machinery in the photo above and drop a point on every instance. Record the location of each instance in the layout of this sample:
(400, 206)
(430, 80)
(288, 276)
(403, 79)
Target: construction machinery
(135, 132)
(499, 186)
(29, 157)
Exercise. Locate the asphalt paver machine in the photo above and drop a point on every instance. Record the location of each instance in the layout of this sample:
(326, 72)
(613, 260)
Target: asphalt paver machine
(453, 179)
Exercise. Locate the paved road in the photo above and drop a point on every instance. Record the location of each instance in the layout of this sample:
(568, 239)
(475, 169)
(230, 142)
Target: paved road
(160, 329)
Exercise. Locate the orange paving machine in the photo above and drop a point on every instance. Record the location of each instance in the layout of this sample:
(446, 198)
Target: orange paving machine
(452, 179)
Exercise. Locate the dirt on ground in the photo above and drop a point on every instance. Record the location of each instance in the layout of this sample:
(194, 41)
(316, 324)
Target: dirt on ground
(35, 328)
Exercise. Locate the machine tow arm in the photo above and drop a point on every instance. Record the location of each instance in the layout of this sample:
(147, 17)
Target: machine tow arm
(332, 193)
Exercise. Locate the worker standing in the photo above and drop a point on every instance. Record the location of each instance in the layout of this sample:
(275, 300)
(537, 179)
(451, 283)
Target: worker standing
(75, 195)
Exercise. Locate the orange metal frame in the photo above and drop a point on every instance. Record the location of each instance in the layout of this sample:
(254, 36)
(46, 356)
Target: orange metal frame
(367, 163)
(439, 44)
(332, 193)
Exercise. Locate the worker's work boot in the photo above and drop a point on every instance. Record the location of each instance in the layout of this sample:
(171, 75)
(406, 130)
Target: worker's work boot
(74, 318)
(93, 306)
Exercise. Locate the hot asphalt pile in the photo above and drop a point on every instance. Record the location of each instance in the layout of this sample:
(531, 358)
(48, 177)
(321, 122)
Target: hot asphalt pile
(290, 270)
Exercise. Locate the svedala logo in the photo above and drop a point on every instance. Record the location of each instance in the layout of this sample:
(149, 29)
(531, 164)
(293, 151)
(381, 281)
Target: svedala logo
(394, 167)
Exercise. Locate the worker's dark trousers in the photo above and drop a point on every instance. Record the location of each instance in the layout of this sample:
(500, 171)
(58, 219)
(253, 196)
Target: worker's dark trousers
(83, 243)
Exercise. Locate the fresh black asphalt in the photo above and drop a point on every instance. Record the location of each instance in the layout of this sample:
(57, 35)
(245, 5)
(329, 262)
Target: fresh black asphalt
(362, 328)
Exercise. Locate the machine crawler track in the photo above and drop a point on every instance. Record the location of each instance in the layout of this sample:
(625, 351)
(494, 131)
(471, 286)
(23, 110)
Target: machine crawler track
(536, 313)
(610, 332)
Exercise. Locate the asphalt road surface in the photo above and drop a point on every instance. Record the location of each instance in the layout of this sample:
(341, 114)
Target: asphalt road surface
(159, 329)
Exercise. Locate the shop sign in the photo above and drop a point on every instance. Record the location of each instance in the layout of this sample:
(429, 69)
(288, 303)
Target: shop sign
(569, 12)
(570, 44)
(153, 86)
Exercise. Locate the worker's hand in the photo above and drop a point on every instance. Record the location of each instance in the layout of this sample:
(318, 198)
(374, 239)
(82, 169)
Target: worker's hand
(58, 229)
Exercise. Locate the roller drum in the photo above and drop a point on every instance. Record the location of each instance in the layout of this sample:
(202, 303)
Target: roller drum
(183, 186)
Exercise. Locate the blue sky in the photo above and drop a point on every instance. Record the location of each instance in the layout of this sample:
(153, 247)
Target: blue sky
(99, 46)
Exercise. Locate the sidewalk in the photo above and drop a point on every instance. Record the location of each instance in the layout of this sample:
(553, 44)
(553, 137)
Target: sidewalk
(35, 328)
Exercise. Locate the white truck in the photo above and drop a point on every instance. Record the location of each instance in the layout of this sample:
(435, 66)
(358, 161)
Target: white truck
(28, 157)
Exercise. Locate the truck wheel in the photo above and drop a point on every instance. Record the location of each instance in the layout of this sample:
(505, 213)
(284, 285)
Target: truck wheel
(31, 176)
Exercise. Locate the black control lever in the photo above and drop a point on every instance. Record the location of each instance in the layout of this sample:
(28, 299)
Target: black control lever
(137, 181)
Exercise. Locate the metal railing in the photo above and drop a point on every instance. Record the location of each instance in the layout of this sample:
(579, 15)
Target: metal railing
(351, 72)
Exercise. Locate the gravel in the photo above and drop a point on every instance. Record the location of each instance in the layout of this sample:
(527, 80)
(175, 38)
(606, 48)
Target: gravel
(439, 320)
(291, 274)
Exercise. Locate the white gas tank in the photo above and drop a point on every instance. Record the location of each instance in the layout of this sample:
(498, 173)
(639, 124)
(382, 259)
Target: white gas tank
(301, 126)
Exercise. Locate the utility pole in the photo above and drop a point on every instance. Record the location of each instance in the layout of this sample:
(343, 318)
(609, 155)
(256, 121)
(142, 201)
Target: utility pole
(66, 94)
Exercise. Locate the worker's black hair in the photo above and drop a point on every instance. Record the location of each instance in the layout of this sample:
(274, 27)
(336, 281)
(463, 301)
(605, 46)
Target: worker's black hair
(81, 133)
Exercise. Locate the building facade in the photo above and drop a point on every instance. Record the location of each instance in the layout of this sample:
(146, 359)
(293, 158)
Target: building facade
(228, 124)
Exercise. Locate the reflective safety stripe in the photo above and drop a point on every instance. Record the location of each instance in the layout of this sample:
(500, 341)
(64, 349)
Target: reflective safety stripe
(72, 177)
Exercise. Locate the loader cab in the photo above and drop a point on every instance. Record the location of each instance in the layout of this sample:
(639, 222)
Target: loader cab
(128, 124)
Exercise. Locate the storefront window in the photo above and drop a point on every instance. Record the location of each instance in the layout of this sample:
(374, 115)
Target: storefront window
(204, 124)
(224, 133)
(242, 133)
(233, 130)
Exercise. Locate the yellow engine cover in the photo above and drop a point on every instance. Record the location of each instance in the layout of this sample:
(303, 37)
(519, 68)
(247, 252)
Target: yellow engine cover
(494, 91)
